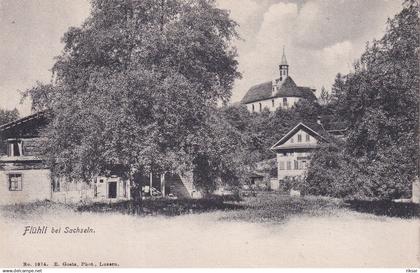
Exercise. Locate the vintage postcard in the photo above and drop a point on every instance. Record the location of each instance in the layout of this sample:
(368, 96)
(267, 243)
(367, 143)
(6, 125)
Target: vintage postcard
(209, 133)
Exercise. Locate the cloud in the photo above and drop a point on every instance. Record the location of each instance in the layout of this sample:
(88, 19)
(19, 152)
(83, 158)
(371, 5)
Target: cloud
(322, 38)
(30, 33)
(323, 23)
(240, 11)
(244, 12)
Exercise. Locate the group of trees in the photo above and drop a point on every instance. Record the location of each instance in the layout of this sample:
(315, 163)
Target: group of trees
(7, 116)
(379, 101)
(138, 85)
(262, 130)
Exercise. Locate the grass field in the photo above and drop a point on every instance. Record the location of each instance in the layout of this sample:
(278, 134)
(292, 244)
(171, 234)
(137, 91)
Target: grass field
(267, 230)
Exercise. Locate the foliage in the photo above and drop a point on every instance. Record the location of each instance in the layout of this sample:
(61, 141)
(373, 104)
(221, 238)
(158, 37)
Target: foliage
(136, 87)
(8, 115)
(292, 183)
(325, 98)
(277, 208)
(40, 96)
(379, 101)
(222, 155)
(262, 130)
(327, 174)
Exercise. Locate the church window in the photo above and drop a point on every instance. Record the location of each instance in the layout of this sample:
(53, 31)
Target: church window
(299, 138)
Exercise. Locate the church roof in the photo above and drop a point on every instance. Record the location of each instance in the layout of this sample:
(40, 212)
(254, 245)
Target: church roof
(289, 88)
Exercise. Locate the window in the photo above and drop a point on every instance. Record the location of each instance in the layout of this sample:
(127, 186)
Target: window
(289, 165)
(56, 184)
(15, 148)
(296, 165)
(124, 188)
(303, 165)
(253, 108)
(15, 182)
(308, 137)
(272, 103)
(299, 138)
(292, 140)
(284, 101)
(260, 107)
(281, 165)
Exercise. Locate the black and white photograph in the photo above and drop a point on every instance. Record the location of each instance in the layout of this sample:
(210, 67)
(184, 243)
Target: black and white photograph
(209, 134)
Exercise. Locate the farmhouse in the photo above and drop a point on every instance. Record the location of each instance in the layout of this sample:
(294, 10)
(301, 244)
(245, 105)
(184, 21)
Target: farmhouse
(280, 92)
(24, 176)
(294, 149)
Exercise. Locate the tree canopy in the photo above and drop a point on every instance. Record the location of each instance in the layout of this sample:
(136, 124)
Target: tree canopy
(136, 86)
(8, 115)
(379, 101)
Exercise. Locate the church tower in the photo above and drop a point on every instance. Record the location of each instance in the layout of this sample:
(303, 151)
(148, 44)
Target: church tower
(283, 67)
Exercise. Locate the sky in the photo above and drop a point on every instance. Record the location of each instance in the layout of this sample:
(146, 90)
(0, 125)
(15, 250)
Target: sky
(321, 38)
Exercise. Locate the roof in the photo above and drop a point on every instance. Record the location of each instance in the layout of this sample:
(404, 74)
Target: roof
(26, 119)
(25, 127)
(315, 128)
(289, 88)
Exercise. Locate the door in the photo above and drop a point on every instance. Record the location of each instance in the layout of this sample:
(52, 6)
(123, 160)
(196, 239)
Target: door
(112, 189)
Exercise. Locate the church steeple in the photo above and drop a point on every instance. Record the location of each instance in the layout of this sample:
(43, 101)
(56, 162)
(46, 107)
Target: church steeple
(283, 67)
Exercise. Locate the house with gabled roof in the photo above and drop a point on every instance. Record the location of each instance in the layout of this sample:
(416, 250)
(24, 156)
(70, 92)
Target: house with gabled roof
(280, 92)
(295, 148)
(25, 177)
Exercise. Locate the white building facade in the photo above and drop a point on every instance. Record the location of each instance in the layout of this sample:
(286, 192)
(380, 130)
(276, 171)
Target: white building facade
(281, 92)
(25, 178)
(294, 150)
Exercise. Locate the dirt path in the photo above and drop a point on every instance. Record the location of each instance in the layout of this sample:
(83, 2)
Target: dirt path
(342, 240)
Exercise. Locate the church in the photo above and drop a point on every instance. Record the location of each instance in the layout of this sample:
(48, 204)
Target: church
(280, 92)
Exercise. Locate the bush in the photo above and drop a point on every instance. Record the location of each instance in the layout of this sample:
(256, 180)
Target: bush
(329, 174)
(289, 183)
(335, 173)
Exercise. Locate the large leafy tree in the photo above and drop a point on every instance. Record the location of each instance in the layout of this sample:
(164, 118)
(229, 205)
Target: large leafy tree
(136, 87)
(8, 115)
(379, 100)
